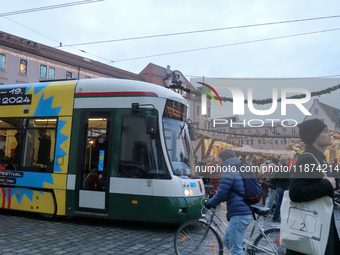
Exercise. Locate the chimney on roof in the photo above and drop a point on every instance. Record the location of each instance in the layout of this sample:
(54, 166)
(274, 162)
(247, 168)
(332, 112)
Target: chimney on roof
(168, 71)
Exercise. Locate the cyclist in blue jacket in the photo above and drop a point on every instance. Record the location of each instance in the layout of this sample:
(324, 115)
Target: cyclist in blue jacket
(239, 214)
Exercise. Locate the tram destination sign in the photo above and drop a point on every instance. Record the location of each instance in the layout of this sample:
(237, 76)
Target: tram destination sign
(14, 96)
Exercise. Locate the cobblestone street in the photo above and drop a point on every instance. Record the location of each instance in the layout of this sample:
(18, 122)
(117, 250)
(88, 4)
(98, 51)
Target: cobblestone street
(32, 234)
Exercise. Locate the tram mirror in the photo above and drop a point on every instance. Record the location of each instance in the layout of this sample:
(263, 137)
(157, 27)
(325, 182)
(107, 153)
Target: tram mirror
(151, 124)
(192, 132)
(177, 172)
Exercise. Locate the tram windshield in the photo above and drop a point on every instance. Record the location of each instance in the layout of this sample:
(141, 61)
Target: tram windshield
(177, 139)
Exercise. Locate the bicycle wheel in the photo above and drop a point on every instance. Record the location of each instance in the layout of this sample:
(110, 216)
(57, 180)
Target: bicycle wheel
(263, 245)
(188, 239)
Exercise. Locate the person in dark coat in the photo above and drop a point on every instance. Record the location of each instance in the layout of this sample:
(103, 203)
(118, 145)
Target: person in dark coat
(239, 214)
(306, 186)
(282, 181)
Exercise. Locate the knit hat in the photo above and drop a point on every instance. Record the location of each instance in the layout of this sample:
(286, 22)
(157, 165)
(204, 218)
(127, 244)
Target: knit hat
(309, 130)
(225, 154)
(284, 161)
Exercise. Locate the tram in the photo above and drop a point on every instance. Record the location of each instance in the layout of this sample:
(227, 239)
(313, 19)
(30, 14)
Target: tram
(110, 148)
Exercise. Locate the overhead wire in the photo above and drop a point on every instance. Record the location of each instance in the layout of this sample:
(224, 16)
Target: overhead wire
(170, 34)
(268, 78)
(201, 31)
(57, 40)
(230, 44)
(44, 8)
(31, 29)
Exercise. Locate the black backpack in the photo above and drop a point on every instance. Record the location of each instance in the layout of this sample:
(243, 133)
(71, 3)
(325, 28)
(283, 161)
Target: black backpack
(253, 190)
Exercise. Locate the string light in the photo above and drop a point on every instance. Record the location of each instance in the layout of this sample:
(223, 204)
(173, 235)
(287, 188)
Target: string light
(270, 100)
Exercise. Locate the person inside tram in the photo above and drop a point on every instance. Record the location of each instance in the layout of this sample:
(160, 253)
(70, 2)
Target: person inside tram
(92, 181)
(16, 154)
(9, 164)
(2, 153)
(44, 150)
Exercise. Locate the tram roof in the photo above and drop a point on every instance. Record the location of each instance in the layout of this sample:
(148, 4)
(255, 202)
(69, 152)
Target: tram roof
(122, 85)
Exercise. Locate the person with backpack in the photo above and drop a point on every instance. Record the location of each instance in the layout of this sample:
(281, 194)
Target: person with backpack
(239, 214)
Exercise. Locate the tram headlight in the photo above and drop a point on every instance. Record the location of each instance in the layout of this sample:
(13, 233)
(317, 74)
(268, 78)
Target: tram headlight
(191, 192)
(186, 192)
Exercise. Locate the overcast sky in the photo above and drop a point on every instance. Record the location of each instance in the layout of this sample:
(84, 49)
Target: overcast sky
(311, 55)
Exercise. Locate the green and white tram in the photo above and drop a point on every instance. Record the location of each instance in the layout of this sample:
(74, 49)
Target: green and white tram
(110, 148)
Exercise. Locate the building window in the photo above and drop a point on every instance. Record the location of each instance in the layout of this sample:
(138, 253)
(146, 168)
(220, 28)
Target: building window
(234, 132)
(197, 109)
(68, 75)
(293, 131)
(242, 131)
(283, 130)
(241, 141)
(247, 142)
(51, 73)
(316, 111)
(266, 131)
(23, 66)
(276, 141)
(258, 141)
(208, 112)
(43, 72)
(251, 142)
(2, 61)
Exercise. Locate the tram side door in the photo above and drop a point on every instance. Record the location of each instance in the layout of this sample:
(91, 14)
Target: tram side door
(93, 161)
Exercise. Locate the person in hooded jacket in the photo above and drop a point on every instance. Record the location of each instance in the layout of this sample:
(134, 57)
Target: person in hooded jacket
(239, 214)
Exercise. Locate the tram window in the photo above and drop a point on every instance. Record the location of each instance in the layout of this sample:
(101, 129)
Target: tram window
(39, 143)
(9, 146)
(29, 149)
(96, 154)
(140, 154)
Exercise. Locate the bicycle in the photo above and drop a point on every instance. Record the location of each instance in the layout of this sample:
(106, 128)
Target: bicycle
(204, 236)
